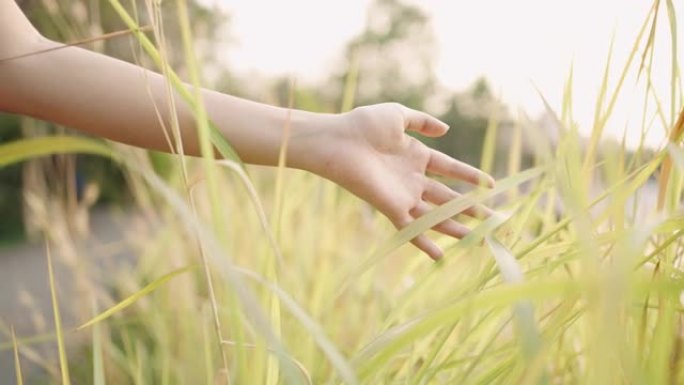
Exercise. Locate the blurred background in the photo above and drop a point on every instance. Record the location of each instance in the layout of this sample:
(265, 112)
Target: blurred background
(464, 62)
(473, 64)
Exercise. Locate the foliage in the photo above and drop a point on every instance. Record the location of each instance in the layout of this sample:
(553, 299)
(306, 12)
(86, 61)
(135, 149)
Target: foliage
(577, 280)
(392, 57)
(10, 187)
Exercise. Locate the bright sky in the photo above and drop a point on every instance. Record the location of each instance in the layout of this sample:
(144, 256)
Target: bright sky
(515, 44)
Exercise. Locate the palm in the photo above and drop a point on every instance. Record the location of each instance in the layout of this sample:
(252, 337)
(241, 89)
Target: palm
(378, 162)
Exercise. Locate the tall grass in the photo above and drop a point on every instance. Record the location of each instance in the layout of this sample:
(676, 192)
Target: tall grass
(574, 282)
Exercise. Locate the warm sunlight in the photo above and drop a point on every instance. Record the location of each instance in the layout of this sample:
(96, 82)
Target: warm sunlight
(436, 192)
(515, 44)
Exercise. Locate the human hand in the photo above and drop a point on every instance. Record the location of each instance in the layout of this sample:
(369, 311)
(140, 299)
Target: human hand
(371, 155)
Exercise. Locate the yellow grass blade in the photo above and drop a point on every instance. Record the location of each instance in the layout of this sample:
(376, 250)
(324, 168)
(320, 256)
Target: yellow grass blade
(63, 362)
(597, 127)
(25, 149)
(440, 214)
(651, 36)
(17, 363)
(601, 117)
(664, 179)
(217, 139)
(515, 152)
(350, 84)
(383, 347)
(106, 36)
(489, 145)
(128, 301)
(674, 58)
(98, 362)
(523, 311)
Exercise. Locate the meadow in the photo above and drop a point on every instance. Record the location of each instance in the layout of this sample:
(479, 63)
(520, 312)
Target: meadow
(250, 275)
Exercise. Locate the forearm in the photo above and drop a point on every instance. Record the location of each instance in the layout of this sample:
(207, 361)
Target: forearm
(123, 102)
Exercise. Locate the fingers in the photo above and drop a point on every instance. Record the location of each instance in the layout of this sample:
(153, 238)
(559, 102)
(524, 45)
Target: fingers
(448, 227)
(444, 165)
(440, 194)
(428, 247)
(421, 241)
(423, 123)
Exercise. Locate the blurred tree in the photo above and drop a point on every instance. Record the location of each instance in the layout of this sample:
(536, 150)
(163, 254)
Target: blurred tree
(393, 58)
(468, 115)
(304, 96)
(73, 20)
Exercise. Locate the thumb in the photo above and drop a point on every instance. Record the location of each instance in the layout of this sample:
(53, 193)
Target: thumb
(424, 124)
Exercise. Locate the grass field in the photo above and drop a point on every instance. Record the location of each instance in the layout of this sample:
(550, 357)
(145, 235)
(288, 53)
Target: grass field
(268, 276)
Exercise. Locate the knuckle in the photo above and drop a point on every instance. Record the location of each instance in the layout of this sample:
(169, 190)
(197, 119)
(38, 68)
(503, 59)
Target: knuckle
(397, 106)
(415, 211)
(401, 220)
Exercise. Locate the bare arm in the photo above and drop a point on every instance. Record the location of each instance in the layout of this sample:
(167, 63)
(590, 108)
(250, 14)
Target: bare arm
(114, 99)
(366, 151)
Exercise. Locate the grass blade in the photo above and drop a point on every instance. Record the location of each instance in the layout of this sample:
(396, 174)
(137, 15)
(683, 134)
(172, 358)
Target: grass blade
(25, 149)
(17, 363)
(98, 362)
(664, 179)
(674, 57)
(63, 362)
(523, 311)
(442, 213)
(385, 346)
(489, 145)
(217, 139)
(128, 301)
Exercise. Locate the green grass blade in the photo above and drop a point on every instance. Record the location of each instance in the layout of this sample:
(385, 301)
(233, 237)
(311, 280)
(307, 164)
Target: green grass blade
(63, 362)
(597, 127)
(523, 311)
(217, 139)
(674, 57)
(385, 346)
(25, 149)
(336, 358)
(442, 213)
(567, 110)
(515, 151)
(249, 302)
(98, 362)
(17, 363)
(489, 145)
(128, 301)
(601, 117)
(350, 83)
(651, 36)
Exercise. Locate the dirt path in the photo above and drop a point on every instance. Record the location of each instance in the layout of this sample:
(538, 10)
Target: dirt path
(25, 292)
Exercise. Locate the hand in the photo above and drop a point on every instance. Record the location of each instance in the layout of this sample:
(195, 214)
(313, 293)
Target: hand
(372, 156)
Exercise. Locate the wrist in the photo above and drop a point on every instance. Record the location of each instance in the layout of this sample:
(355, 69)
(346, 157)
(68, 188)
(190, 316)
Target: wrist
(312, 140)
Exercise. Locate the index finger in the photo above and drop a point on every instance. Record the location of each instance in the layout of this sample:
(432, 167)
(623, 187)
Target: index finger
(423, 123)
(444, 165)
